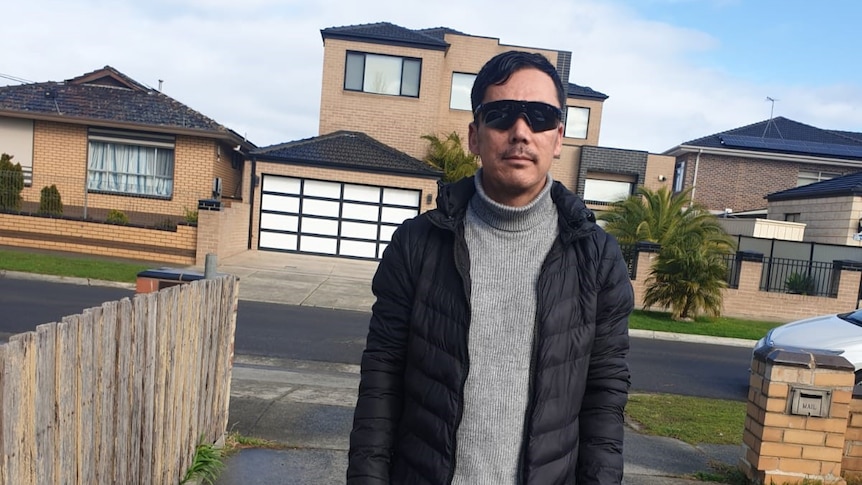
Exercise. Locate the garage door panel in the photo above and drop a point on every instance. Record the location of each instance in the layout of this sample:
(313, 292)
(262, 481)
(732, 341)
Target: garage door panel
(362, 193)
(324, 227)
(319, 188)
(386, 232)
(397, 215)
(284, 185)
(359, 249)
(274, 240)
(312, 207)
(320, 245)
(280, 203)
(360, 212)
(280, 222)
(401, 197)
(359, 230)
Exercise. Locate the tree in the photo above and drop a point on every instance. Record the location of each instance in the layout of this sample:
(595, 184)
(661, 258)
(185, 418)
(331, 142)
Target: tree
(449, 156)
(690, 270)
(11, 183)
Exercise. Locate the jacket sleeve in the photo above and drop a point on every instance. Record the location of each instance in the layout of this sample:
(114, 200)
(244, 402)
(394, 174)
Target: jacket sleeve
(600, 458)
(378, 408)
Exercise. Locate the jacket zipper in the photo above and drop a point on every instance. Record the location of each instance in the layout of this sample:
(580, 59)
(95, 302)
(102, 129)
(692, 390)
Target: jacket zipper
(522, 469)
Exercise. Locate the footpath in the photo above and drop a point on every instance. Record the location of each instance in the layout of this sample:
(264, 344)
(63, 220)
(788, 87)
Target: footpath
(309, 406)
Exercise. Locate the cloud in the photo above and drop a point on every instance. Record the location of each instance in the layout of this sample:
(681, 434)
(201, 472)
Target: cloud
(256, 66)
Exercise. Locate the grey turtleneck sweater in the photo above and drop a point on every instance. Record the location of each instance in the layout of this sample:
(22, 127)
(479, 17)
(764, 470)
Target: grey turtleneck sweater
(507, 247)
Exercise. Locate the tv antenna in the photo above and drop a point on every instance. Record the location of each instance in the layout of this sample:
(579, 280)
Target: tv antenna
(771, 109)
(770, 122)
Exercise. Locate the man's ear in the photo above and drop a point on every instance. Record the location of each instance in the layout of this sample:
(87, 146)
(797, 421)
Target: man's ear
(558, 146)
(473, 138)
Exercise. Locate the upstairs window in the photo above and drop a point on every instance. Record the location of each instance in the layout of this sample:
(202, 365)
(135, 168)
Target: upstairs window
(379, 74)
(132, 163)
(805, 178)
(679, 176)
(462, 84)
(577, 120)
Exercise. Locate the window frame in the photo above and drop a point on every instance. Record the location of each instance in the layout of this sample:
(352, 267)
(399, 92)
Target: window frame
(586, 127)
(816, 176)
(364, 62)
(679, 176)
(607, 178)
(452, 91)
(140, 140)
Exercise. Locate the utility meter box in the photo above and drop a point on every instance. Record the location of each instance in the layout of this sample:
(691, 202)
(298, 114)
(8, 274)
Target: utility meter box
(810, 402)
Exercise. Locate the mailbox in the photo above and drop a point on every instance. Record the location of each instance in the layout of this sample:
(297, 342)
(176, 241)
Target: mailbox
(810, 402)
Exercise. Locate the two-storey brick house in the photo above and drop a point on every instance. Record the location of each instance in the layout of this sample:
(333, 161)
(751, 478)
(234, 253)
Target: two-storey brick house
(735, 169)
(383, 88)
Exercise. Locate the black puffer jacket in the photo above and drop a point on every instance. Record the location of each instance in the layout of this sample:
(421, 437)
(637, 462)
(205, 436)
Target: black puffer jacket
(416, 360)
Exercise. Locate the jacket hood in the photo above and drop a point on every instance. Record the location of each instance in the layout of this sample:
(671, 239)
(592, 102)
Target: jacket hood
(575, 217)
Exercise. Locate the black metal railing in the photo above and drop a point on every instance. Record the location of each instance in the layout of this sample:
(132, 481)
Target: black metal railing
(797, 276)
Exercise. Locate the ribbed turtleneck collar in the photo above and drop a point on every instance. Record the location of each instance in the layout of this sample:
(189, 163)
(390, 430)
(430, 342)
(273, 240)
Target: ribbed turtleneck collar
(514, 219)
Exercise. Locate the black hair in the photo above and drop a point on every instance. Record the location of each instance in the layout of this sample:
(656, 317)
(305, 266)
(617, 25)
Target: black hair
(500, 68)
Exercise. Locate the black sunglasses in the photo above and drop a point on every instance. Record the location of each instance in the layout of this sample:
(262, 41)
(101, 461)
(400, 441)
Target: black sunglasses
(501, 115)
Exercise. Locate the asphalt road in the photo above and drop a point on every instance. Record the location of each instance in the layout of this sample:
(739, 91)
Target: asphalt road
(324, 335)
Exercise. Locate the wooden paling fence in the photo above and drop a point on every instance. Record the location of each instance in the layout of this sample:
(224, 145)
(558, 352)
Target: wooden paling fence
(122, 393)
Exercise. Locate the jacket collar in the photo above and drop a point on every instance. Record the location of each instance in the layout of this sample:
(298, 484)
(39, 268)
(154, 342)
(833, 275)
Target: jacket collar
(452, 199)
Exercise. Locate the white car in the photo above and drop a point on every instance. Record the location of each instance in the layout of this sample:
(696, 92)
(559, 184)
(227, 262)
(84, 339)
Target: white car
(839, 334)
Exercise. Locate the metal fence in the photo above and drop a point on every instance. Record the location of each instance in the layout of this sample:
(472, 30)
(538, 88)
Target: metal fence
(797, 276)
(782, 275)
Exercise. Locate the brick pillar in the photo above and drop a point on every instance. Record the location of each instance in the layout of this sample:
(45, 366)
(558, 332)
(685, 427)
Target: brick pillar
(851, 465)
(209, 229)
(786, 443)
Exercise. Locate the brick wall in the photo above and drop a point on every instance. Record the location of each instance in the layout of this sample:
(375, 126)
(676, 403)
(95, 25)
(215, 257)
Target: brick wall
(741, 183)
(747, 301)
(176, 247)
(60, 158)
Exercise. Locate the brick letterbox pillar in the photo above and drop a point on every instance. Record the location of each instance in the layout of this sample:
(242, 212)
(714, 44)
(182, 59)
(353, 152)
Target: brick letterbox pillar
(798, 406)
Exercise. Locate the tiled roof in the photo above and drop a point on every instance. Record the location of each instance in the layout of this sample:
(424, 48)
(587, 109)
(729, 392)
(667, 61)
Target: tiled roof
(584, 92)
(347, 150)
(440, 32)
(839, 186)
(779, 129)
(108, 96)
(387, 33)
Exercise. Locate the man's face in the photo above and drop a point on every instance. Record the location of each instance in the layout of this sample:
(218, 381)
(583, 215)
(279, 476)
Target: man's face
(516, 160)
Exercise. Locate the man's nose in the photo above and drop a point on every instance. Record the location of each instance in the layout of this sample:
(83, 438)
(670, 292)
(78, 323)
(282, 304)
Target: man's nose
(520, 131)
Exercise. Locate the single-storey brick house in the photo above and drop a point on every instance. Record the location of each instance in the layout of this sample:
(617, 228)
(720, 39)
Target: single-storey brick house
(116, 150)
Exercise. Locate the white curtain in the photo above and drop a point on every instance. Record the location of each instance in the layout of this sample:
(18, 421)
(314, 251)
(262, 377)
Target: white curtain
(130, 169)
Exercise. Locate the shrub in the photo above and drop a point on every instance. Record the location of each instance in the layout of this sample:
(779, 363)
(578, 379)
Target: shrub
(117, 217)
(11, 183)
(191, 216)
(800, 284)
(50, 202)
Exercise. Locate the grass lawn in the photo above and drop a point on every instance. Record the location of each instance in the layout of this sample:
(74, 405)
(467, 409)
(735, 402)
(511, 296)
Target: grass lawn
(716, 327)
(77, 266)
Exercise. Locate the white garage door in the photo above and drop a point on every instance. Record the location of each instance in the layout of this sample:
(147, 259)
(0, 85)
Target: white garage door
(320, 217)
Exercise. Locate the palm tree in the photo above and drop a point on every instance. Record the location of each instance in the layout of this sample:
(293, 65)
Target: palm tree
(449, 156)
(690, 270)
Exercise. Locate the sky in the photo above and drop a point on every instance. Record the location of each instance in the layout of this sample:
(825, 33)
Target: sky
(674, 70)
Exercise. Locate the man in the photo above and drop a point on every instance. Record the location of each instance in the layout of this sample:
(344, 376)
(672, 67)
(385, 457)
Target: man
(497, 344)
